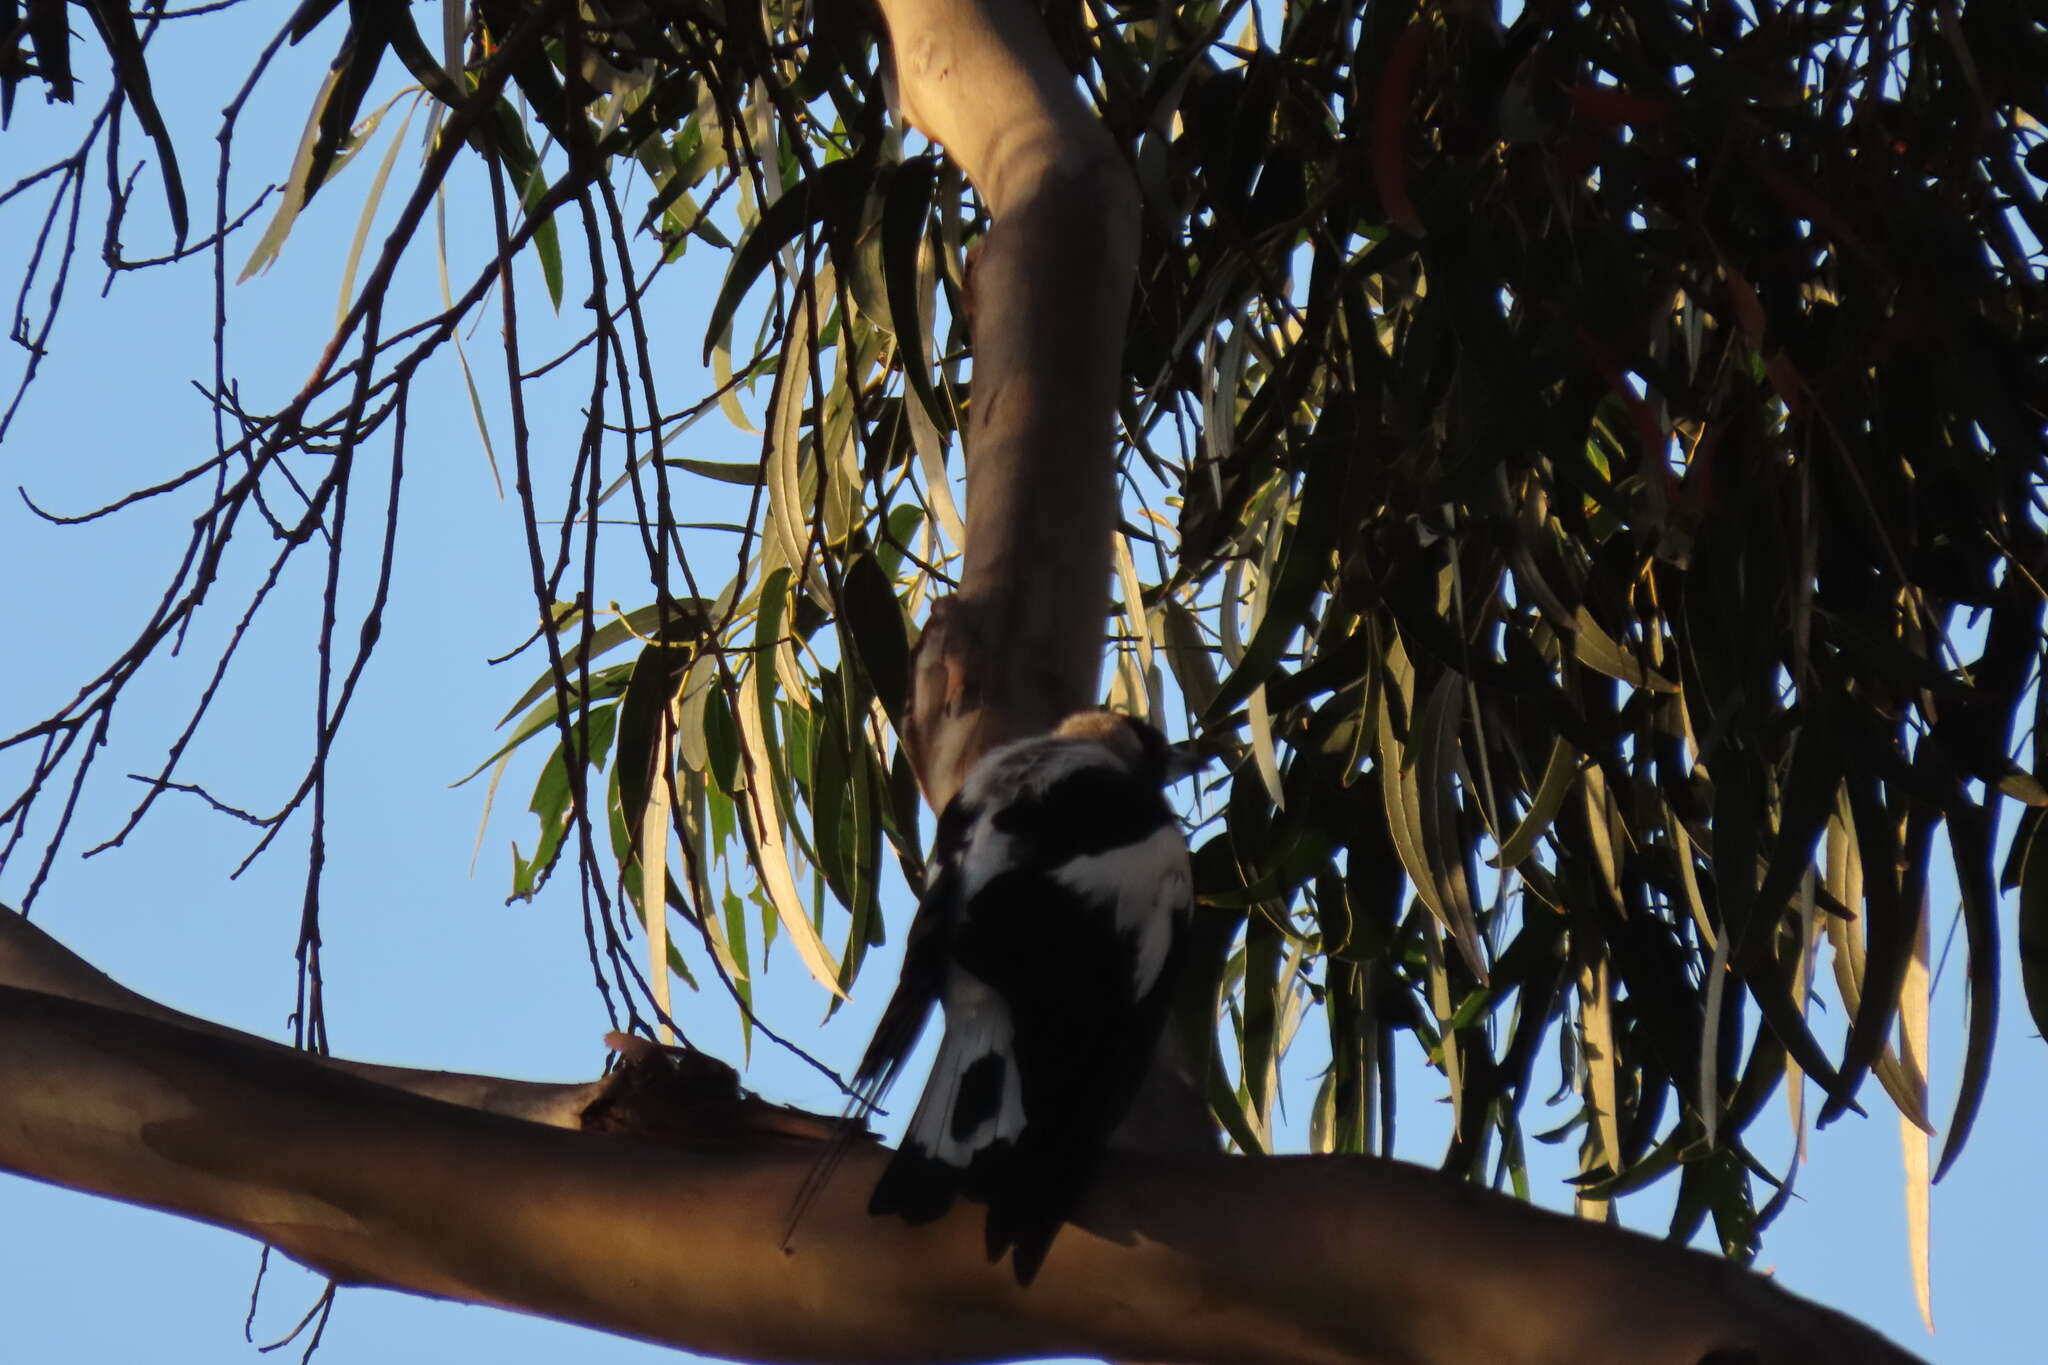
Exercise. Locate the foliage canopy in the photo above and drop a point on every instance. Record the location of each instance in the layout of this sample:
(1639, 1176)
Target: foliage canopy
(1584, 473)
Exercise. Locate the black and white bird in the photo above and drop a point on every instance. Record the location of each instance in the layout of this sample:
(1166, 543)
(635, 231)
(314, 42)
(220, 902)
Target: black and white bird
(1049, 932)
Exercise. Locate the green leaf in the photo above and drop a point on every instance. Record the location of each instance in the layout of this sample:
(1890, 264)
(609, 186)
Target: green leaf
(1189, 655)
(657, 675)
(2016, 854)
(1970, 831)
(1596, 649)
(535, 74)
(368, 217)
(117, 29)
(871, 622)
(767, 794)
(640, 624)
(547, 242)
(743, 985)
(2033, 921)
(603, 686)
(553, 798)
(1804, 809)
(1890, 922)
(1230, 1111)
(1558, 775)
(1414, 779)
(722, 740)
(824, 197)
(906, 207)
(746, 473)
(1264, 954)
(1306, 566)
(296, 190)
(49, 32)
(1353, 1037)
(721, 817)
(901, 526)
(832, 807)
(354, 67)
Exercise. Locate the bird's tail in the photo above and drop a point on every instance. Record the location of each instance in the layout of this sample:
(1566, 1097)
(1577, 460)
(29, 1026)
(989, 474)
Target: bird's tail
(971, 1112)
(903, 1019)
(852, 1128)
(1039, 1189)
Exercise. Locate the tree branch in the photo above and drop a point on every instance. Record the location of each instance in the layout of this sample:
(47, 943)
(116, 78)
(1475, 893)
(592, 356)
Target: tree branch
(31, 960)
(1020, 645)
(1195, 1259)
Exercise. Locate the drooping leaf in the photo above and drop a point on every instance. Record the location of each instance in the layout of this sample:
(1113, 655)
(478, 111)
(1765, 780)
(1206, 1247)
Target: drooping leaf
(1558, 774)
(872, 623)
(1970, 840)
(1304, 566)
(124, 45)
(1892, 920)
(2032, 881)
(828, 197)
(906, 206)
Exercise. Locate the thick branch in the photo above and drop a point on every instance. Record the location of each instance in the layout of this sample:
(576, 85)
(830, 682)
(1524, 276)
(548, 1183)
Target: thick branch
(1196, 1259)
(1021, 644)
(31, 960)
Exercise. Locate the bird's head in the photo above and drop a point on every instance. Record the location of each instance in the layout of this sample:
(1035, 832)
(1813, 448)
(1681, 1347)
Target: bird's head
(1136, 743)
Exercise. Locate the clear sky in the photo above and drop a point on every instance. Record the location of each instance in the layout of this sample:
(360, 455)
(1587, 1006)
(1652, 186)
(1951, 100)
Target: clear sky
(426, 965)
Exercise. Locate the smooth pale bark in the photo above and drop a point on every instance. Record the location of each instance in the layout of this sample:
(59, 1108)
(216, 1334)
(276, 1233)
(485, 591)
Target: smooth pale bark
(1020, 645)
(1189, 1259)
(32, 960)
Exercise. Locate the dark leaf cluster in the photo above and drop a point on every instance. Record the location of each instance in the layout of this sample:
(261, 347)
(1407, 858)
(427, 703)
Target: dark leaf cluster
(1586, 472)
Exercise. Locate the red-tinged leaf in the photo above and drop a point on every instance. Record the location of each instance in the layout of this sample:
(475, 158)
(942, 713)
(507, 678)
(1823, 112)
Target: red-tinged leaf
(1610, 107)
(1651, 442)
(1787, 380)
(1805, 202)
(1747, 307)
(1390, 128)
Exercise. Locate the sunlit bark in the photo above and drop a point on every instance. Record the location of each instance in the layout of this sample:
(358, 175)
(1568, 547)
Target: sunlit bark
(1191, 1259)
(1020, 645)
(30, 960)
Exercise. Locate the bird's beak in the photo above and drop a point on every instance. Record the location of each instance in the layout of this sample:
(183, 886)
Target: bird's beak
(1185, 760)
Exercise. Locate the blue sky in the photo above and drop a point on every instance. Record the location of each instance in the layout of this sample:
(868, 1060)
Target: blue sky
(426, 965)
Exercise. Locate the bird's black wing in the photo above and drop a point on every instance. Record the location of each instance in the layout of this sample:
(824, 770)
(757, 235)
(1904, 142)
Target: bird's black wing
(1085, 1026)
(1082, 1044)
(925, 953)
